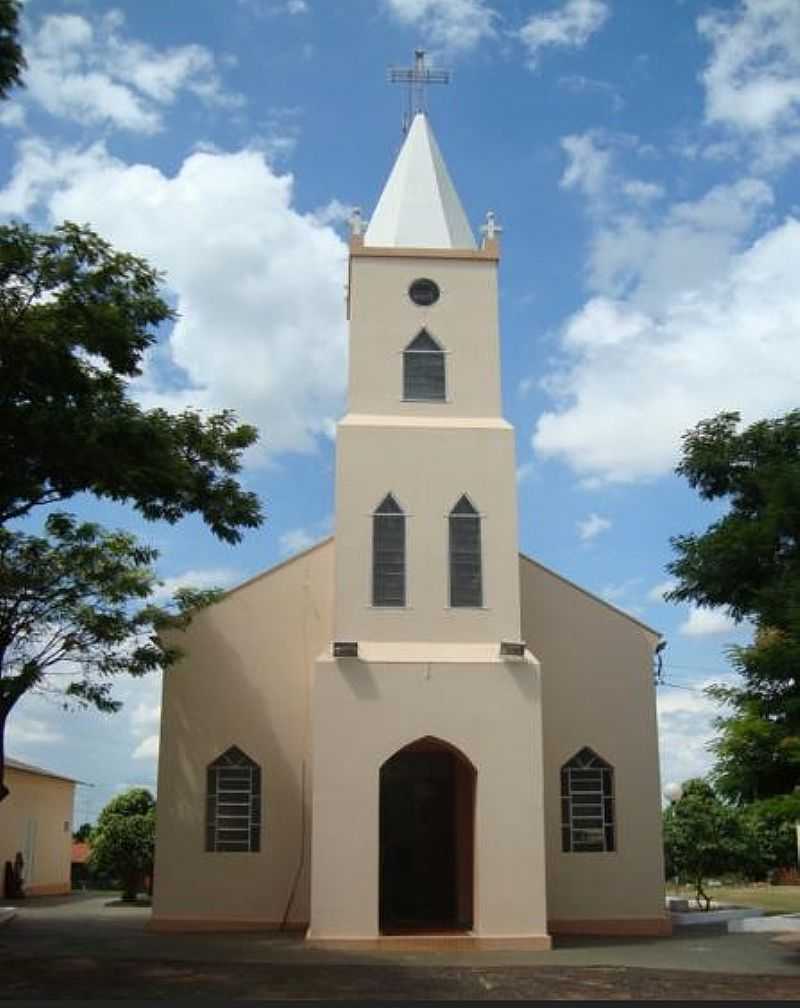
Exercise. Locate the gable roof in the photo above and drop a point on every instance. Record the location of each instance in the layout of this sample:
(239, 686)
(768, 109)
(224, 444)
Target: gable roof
(591, 595)
(523, 556)
(12, 764)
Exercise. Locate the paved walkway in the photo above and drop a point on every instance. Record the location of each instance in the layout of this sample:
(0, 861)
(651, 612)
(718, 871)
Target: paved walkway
(80, 947)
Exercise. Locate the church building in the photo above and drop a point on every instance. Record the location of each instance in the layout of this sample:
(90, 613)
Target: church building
(411, 731)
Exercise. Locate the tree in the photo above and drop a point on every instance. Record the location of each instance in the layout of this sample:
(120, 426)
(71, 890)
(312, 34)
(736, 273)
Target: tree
(703, 837)
(74, 605)
(12, 61)
(83, 834)
(749, 561)
(76, 321)
(772, 825)
(123, 843)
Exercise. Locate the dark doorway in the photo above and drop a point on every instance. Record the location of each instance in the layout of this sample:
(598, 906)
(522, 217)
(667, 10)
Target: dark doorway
(427, 813)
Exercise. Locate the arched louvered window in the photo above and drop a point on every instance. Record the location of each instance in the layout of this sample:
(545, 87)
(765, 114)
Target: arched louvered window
(466, 581)
(587, 804)
(423, 369)
(233, 803)
(388, 554)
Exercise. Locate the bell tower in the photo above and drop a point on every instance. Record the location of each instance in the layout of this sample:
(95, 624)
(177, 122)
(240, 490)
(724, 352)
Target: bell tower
(424, 423)
(427, 669)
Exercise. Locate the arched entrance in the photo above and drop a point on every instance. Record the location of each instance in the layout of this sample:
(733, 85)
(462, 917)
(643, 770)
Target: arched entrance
(427, 830)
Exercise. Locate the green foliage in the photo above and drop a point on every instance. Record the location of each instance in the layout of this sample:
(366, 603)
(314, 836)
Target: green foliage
(749, 561)
(771, 823)
(83, 834)
(79, 599)
(703, 837)
(12, 60)
(123, 843)
(76, 320)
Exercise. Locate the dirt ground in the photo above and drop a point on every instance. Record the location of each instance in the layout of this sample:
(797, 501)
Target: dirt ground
(82, 948)
(88, 978)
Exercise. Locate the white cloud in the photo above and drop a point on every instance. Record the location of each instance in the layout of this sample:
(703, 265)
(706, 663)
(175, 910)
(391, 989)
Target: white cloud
(590, 169)
(147, 749)
(587, 168)
(752, 79)
(642, 192)
(451, 25)
(211, 577)
(691, 246)
(273, 8)
(657, 592)
(258, 285)
(685, 728)
(570, 25)
(296, 540)
(706, 623)
(144, 715)
(12, 115)
(592, 526)
(525, 471)
(22, 730)
(580, 84)
(90, 72)
(615, 592)
(692, 317)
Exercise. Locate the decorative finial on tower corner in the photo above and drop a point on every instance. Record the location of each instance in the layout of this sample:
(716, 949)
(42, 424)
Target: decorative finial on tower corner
(491, 229)
(357, 225)
(417, 78)
(356, 221)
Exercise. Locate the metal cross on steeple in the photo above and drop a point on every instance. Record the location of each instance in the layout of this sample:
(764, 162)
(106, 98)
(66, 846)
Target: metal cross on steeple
(417, 77)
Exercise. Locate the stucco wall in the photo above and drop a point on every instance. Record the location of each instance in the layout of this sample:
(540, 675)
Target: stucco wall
(245, 682)
(32, 821)
(597, 692)
(383, 321)
(364, 712)
(427, 469)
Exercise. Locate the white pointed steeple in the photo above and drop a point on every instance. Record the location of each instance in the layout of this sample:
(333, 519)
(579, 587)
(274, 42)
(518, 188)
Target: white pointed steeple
(419, 206)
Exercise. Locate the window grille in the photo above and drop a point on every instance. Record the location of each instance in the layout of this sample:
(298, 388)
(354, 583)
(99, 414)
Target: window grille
(423, 369)
(233, 803)
(388, 554)
(587, 804)
(466, 582)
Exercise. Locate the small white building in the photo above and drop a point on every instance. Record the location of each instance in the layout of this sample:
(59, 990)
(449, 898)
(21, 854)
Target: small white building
(411, 729)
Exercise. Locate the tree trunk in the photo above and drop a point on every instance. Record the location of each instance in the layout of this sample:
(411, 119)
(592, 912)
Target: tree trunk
(4, 712)
(130, 887)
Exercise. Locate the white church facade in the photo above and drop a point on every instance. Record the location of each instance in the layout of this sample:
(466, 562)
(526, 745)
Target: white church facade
(412, 731)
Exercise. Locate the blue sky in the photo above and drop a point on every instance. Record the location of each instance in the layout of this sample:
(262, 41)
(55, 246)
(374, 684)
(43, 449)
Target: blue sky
(642, 160)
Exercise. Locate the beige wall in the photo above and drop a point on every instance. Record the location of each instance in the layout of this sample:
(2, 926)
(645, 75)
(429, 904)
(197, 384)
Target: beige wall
(597, 692)
(363, 712)
(36, 819)
(383, 321)
(244, 682)
(427, 469)
(426, 454)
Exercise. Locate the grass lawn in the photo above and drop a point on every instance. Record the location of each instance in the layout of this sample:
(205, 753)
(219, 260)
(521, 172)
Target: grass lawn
(773, 899)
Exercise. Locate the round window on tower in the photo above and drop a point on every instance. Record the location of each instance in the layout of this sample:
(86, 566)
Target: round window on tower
(423, 292)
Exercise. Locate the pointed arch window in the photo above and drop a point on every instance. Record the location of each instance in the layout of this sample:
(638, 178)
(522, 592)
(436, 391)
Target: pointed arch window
(388, 554)
(466, 580)
(233, 803)
(587, 804)
(423, 369)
